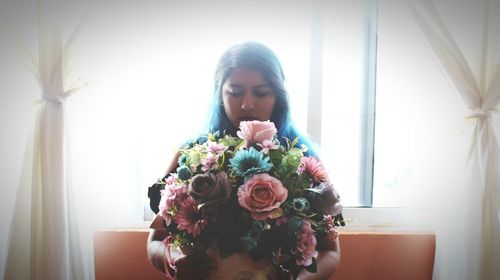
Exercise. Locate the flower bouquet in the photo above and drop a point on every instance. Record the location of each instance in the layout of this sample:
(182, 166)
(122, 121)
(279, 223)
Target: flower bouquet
(251, 194)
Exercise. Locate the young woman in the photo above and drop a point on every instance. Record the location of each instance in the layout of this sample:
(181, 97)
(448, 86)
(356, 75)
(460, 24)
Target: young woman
(249, 85)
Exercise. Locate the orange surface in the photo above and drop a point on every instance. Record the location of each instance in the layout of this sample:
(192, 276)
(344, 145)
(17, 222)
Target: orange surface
(364, 255)
(122, 255)
(370, 255)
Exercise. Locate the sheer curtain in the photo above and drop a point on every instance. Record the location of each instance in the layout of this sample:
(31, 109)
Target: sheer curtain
(469, 247)
(44, 238)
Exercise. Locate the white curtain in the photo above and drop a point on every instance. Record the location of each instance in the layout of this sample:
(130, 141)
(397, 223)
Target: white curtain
(468, 236)
(44, 239)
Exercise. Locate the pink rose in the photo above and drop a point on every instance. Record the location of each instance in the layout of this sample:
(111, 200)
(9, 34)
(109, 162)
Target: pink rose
(306, 244)
(262, 195)
(256, 132)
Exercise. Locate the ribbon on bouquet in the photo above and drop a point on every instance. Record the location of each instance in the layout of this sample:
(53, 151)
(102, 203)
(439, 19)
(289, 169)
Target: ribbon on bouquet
(168, 261)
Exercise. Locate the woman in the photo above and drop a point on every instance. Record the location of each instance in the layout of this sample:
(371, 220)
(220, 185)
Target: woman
(249, 85)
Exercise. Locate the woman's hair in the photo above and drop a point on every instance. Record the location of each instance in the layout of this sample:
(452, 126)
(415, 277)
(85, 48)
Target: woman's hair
(255, 56)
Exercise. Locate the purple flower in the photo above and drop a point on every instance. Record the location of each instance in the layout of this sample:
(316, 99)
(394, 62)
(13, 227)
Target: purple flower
(189, 218)
(171, 196)
(216, 148)
(210, 190)
(208, 163)
(170, 180)
(324, 199)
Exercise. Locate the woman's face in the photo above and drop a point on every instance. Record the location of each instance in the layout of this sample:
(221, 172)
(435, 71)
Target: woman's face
(247, 96)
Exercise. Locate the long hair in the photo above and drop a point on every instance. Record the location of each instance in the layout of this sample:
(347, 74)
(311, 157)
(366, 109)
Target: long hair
(255, 56)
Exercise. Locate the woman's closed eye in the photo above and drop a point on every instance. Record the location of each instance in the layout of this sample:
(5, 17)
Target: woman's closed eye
(235, 92)
(261, 93)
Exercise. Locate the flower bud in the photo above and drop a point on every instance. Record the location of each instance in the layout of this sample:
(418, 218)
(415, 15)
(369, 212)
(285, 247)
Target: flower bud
(183, 172)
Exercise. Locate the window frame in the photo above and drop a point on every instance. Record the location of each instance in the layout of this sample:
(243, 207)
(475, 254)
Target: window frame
(368, 100)
(368, 93)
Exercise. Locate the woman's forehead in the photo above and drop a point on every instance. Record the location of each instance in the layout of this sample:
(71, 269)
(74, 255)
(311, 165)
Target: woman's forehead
(245, 76)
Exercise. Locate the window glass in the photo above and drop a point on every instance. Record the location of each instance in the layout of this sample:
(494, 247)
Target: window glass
(342, 90)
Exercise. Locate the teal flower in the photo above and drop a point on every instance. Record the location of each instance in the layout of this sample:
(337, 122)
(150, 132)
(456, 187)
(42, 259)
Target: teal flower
(182, 159)
(249, 162)
(183, 172)
(300, 204)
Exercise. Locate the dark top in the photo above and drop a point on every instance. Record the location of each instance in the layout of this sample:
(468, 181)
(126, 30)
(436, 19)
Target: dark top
(154, 194)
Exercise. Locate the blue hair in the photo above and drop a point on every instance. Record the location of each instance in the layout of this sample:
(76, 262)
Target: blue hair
(255, 56)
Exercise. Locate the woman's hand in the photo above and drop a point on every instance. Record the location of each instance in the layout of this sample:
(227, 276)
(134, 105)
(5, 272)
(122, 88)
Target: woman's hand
(197, 266)
(328, 260)
(192, 266)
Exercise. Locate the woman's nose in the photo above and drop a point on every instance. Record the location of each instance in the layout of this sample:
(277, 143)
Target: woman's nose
(248, 102)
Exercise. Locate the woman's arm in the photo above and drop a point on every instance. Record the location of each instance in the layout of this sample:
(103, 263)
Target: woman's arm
(155, 246)
(156, 249)
(328, 260)
(186, 267)
(172, 166)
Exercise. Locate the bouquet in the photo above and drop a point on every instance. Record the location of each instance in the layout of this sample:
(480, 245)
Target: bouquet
(251, 194)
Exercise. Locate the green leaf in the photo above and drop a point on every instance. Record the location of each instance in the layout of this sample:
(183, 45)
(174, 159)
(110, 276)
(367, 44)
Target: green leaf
(296, 153)
(211, 137)
(231, 141)
(275, 154)
(294, 142)
(194, 158)
(289, 163)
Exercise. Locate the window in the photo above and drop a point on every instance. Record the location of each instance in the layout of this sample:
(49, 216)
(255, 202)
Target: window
(154, 82)
(347, 133)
